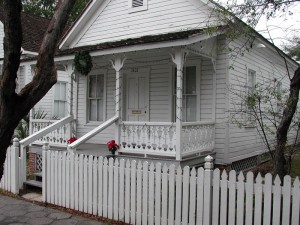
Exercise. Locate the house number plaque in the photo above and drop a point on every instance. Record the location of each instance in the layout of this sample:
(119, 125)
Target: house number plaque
(136, 112)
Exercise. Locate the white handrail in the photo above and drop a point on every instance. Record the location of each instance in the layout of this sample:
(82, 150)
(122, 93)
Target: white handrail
(30, 139)
(93, 132)
(198, 123)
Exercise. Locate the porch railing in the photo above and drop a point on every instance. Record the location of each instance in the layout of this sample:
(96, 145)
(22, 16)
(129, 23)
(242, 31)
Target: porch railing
(148, 138)
(159, 138)
(57, 136)
(197, 137)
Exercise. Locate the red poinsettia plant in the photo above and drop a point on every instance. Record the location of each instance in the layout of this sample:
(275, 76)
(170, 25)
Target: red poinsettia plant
(112, 146)
(71, 140)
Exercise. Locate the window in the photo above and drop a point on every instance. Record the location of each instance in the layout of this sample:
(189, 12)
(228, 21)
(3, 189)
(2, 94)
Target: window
(251, 82)
(189, 94)
(278, 96)
(96, 97)
(60, 99)
(137, 5)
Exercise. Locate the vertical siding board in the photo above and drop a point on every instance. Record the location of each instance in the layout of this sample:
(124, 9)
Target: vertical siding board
(267, 199)
(276, 201)
(240, 199)
(110, 188)
(249, 199)
(116, 190)
(90, 184)
(171, 195)
(133, 192)
(224, 196)
(178, 196)
(232, 198)
(95, 186)
(192, 200)
(164, 217)
(200, 196)
(296, 202)
(185, 194)
(145, 193)
(100, 186)
(258, 200)
(127, 192)
(158, 194)
(139, 193)
(216, 197)
(151, 194)
(122, 190)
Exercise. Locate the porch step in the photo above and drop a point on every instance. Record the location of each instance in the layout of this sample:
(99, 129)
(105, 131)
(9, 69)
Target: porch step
(33, 183)
(38, 176)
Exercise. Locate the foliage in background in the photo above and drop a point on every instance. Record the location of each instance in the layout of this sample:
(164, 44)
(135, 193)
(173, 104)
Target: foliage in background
(293, 48)
(45, 8)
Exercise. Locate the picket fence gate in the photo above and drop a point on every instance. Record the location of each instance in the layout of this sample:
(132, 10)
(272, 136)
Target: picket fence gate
(10, 180)
(139, 193)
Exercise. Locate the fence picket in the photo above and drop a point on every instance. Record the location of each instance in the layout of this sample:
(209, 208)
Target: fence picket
(296, 202)
(105, 184)
(48, 176)
(127, 192)
(116, 190)
(200, 192)
(171, 194)
(178, 196)
(185, 194)
(85, 184)
(52, 169)
(74, 182)
(151, 194)
(90, 185)
(44, 181)
(56, 184)
(240, 200)
(133, 192)
(100, 186)
(224, 195)
(192, 200)
(267, 199)
(249, 199)
(110, 188)
(164, 198)
(145, 193)
(276, 201)
(286, 200)
(258, 200)
(59, 180)
(80, 181)
(122, 190)
(157, 194)
(216, 197)
(95, 186)
(63, 179)
(232, 198)
(139, 193)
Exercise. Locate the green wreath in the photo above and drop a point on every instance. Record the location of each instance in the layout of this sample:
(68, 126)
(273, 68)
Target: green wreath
(83, 62)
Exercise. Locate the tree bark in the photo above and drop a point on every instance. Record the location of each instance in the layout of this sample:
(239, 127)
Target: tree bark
(13, 107)
(282, 131)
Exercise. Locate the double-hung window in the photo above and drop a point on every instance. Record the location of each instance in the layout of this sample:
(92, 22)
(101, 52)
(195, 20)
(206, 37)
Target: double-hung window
(189, 94)
(96, 97)
(60, 99)
(251, 82)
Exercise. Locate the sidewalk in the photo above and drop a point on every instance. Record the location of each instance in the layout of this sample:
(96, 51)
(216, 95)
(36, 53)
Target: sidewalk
(19, 212)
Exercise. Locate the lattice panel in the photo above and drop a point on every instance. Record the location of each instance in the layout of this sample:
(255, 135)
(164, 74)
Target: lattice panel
(39, 162)
(244, 164)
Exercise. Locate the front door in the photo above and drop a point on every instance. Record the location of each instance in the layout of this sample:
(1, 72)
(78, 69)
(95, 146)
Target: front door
(137, 95)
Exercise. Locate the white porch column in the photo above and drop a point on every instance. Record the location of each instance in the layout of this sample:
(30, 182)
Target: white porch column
(117, 64)
(179, 58)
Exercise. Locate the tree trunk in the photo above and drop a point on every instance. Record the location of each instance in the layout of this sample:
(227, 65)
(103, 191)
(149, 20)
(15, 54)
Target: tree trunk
(13, 107)
(282, 131)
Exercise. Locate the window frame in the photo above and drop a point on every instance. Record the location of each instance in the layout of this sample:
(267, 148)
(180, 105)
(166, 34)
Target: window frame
(96, 73)
(66, 100)
(132, 9)
(191, 63)
(249, 119)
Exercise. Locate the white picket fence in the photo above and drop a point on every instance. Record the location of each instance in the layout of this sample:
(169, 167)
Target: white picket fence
(154, 194)
(11, 179)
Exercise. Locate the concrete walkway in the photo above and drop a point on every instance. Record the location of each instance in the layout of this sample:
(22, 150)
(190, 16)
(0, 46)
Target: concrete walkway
(18, 212)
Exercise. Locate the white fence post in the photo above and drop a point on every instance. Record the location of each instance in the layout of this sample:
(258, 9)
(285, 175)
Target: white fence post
(15, 166)
(44, 171)
(207, 197)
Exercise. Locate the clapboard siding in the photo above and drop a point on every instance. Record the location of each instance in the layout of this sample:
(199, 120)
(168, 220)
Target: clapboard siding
(246, 142)
(116, 23)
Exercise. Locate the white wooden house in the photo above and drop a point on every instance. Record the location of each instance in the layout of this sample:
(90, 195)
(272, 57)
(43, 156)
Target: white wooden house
(159, 84)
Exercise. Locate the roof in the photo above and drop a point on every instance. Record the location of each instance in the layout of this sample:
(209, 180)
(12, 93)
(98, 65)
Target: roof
(34, 28)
